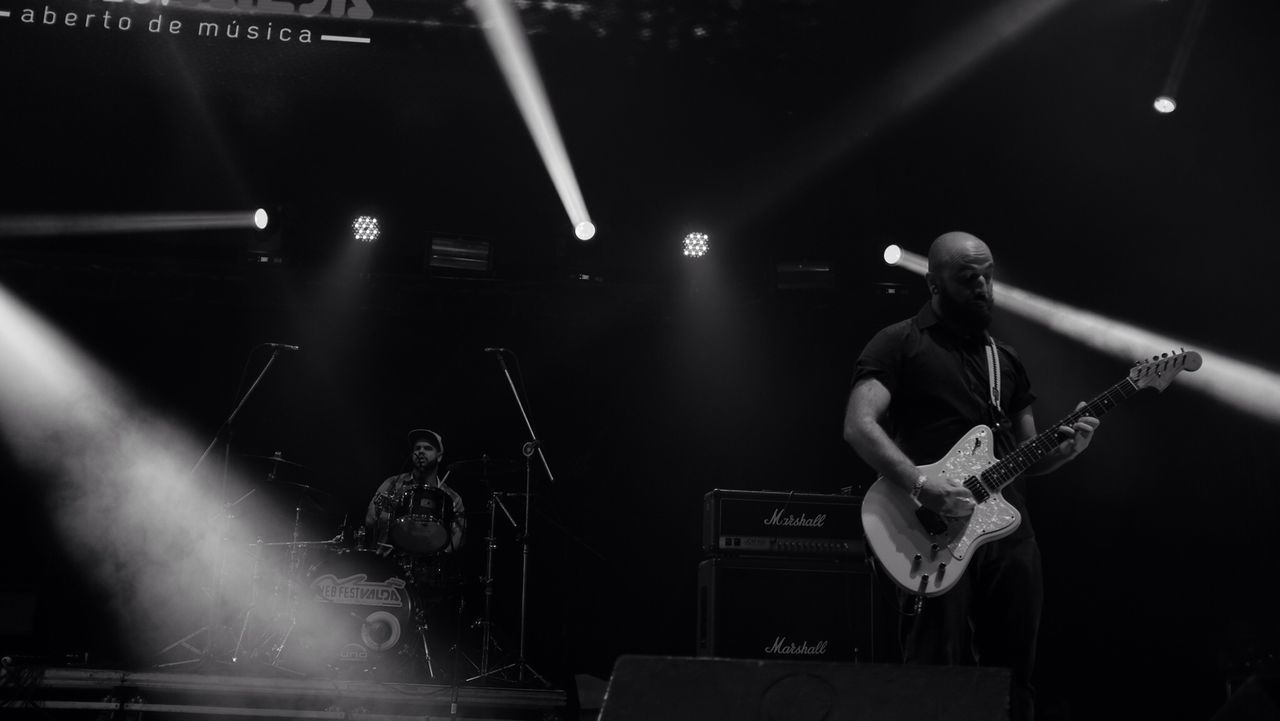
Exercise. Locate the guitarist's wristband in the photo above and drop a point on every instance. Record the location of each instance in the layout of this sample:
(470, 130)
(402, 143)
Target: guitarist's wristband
(919, 484)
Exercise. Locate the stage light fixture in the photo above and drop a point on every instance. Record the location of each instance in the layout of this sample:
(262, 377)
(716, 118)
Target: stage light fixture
(365, 228)
(448, 254)
(892, 254)
(804, 275)
(1165, 104)
(586, 230)
(260, 218)
(696, 245)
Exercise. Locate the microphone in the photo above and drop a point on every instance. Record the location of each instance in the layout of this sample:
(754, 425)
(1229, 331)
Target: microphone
(495, 350)
(285, 346)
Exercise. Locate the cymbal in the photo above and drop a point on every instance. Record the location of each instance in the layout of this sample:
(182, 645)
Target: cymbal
(272, 544)
(301, 487)
(485, 465)
(277, 458)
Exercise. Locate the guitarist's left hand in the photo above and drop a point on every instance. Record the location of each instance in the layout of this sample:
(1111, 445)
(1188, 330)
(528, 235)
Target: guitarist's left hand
(1077, 436)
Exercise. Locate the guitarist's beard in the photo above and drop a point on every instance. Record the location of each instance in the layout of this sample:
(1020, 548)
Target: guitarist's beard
(973, 316)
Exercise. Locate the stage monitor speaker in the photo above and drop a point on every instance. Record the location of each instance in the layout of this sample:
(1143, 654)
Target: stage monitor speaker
(785, 609)
(664, 688)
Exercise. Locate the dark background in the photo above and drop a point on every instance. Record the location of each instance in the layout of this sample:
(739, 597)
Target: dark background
(772, 127)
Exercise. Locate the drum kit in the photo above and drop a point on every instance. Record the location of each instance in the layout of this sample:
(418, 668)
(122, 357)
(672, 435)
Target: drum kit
(369, 602)
(385, 603)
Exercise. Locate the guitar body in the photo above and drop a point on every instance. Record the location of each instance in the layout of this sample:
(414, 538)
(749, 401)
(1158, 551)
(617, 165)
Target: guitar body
(926, 553)
(929, 562)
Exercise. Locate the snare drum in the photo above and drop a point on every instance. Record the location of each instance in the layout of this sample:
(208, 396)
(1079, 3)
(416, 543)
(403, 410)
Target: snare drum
(421, 520)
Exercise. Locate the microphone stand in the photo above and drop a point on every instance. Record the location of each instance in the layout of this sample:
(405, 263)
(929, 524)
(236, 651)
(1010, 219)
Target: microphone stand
(529, 448)
(224, 431)
(533, 437)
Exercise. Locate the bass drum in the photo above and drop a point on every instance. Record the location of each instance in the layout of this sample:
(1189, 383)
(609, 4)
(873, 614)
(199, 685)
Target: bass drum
(355, 616)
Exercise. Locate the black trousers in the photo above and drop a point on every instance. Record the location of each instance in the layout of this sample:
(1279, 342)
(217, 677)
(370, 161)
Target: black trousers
(990, 618)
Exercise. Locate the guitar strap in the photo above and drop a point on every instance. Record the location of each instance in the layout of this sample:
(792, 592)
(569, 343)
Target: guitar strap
(993, 375)
(1000, 422)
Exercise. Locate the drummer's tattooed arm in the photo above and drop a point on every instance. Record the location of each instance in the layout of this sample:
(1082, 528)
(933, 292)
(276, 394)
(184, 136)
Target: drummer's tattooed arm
(458, 528)
(376, 505)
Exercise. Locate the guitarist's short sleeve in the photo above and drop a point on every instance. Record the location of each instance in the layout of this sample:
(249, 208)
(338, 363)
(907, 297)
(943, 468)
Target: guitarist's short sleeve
(881, 359)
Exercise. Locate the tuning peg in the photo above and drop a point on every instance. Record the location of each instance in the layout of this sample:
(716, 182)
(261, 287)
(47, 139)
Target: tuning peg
(1164, 355)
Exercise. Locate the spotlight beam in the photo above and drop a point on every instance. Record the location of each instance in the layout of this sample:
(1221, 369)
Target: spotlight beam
(905, 89)
(1190, 32)
(36, 226)
(507, 40)
(1244, 386)
(115, 478)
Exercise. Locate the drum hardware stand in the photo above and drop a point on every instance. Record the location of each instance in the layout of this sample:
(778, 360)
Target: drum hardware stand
(297, 551)
(253, 601)
(205, 654)
(420, 621)
(486, 621)
(520, 665)
(224, 433)
(456, 651)
(528, 449)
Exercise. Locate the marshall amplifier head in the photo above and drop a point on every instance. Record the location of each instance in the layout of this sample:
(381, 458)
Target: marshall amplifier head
(769, 523)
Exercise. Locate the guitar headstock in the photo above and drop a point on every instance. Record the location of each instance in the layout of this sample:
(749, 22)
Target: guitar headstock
(1158, 372)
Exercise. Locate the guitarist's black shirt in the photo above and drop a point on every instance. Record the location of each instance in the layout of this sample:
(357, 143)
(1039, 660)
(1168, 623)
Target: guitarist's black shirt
(937, 380)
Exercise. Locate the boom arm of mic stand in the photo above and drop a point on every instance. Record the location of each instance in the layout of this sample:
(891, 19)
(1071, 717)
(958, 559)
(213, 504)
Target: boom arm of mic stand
(497, 498)
(231, 418)
(533, 436)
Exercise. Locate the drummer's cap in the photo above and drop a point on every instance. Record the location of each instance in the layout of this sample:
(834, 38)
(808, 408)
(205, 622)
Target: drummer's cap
(420, 434)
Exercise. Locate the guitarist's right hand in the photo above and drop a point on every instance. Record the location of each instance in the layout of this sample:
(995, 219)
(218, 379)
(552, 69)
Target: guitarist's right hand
(946, 498)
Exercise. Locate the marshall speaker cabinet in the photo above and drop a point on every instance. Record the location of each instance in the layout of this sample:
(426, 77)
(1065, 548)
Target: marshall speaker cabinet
(787, 608)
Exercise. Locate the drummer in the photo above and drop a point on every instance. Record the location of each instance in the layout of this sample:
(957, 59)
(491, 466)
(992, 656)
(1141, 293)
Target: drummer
(426, 448)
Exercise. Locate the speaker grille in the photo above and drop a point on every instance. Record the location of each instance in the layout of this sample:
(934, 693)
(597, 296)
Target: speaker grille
(783, 609)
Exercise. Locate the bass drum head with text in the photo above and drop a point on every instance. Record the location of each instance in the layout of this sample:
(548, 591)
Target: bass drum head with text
(356, 614)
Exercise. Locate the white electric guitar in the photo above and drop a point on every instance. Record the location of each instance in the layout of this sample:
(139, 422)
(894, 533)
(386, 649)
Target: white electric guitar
(926, 553)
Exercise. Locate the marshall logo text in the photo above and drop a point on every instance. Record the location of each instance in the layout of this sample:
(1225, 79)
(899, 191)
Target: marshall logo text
(782, 648)
(791, 519)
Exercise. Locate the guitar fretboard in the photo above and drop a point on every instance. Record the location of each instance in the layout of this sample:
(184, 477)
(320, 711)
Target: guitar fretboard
(1031, 452)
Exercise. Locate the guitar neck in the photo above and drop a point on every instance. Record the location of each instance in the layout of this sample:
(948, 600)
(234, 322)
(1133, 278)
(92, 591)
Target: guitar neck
(1034, 450)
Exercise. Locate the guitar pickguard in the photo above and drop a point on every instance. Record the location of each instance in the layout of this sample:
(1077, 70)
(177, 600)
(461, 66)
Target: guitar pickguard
(992, 515)
(970, 456)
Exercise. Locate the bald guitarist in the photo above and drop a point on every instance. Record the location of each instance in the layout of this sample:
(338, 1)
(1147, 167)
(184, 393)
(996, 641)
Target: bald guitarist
(919, 386)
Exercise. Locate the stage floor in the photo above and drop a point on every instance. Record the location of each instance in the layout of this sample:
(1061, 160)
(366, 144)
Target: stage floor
(95, 693)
